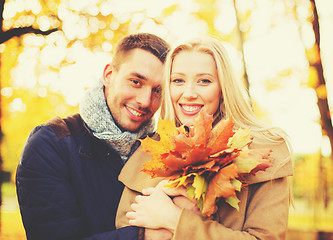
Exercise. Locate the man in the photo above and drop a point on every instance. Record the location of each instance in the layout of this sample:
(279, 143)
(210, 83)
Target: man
(67, 178)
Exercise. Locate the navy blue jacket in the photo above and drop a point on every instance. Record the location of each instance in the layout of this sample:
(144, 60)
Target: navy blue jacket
(67, 184)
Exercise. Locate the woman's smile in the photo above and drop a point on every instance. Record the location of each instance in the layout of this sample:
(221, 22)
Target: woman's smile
(191, 109)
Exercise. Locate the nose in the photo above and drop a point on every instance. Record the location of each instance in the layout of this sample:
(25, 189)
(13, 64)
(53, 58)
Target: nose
(190, 91)
(144, 98)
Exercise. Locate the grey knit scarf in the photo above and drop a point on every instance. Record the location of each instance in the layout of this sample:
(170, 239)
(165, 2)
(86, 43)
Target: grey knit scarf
(95, 113)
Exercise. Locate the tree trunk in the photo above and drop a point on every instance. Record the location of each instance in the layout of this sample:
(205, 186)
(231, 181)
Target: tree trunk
(2, 3)
(241, 38)
(325, 115)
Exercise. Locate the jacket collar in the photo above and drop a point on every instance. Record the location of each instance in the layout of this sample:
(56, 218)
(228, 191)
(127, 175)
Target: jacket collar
(131, 174)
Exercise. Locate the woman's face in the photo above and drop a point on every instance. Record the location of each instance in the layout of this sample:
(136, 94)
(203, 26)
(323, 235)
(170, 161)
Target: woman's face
(194, 85)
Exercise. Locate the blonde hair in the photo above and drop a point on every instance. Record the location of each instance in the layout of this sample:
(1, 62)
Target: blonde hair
(235, 102)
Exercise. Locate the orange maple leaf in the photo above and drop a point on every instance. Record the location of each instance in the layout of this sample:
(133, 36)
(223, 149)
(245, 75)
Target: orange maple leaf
(220, 135)
(202, 128)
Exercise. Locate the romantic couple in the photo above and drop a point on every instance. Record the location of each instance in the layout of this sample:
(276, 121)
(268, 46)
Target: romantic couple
(80, 177)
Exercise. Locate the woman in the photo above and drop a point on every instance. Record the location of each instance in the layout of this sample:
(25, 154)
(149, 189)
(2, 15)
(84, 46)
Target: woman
(198, 75)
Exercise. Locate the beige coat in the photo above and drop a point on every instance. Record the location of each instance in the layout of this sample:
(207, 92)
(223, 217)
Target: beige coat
(263, 208)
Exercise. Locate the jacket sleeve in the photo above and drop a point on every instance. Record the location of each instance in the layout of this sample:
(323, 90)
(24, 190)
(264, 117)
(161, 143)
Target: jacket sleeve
(266, 217)
(48, 206)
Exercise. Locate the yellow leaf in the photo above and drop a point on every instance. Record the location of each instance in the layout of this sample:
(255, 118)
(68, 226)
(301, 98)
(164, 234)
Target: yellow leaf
(245, 162)
(237, 184)
(240, 139)
(200, 185)
(181, 181)
(233, 201)
(166, 130)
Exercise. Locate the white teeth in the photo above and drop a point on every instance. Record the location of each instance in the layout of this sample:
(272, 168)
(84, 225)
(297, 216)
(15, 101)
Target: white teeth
(134, 112)
(191, 108)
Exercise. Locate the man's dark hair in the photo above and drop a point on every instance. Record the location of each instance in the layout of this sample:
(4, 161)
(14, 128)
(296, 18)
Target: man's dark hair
(145, 41)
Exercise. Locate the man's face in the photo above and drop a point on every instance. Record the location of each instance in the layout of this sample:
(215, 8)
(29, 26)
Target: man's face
(133, 93)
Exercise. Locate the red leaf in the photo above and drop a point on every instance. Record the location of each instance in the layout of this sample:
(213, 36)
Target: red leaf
(202, 127)
(183, 143)
(173, 161)
(198, 154)
(220, 135)
(263, 159)
(208, 167)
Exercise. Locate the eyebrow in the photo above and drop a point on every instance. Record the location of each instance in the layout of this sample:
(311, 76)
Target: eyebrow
(205, 74)
(198, 74)
(138, 75)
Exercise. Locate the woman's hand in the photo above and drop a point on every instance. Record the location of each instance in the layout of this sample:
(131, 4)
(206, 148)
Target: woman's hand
(184, 202)
(180, 197)
(154, 210)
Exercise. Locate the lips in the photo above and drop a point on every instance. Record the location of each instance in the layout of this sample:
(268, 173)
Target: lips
(190, 109)
(135, 114)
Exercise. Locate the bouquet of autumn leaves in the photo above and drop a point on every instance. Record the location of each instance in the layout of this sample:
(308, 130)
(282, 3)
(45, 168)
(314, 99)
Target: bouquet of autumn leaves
(210, 163)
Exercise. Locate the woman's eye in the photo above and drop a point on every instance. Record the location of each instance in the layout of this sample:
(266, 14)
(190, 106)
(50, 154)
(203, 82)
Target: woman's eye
(205, 81)
(177, 80)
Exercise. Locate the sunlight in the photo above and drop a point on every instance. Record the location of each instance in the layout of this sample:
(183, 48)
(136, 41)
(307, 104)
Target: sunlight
(53, 55)
(45, 79)
(17, 105)
(14, 6)
(46, 75)
(226, 20)
(42, 92)
(273, 47)
(181, 26)
(82, 5)
(7, 92)
(326, 149)
(24, 74)
(2, 48)
(44, 23)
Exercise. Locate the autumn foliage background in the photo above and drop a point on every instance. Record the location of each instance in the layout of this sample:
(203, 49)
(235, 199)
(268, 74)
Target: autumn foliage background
(51, 52)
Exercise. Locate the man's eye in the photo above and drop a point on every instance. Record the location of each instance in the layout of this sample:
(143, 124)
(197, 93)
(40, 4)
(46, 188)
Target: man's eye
(136, 82)
(157, 90)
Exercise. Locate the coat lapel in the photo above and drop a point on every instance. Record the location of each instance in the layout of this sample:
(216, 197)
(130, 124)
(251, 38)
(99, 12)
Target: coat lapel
(131, 174)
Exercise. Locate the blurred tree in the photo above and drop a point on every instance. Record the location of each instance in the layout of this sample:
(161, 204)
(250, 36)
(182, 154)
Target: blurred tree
(319, 196)
(241, 39)
(5, 36)
(19, 31)
(315, 62)
(316, 79)
(321, 91)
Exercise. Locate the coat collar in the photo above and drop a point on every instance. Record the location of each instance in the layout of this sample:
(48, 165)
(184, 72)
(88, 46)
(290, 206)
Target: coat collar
(131, 174)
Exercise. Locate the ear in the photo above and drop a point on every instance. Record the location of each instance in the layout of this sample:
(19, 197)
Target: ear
(106, 74)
